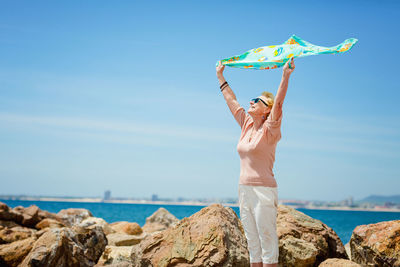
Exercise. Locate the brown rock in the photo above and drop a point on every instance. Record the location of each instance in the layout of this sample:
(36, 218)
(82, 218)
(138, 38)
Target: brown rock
(297, 252)
(119, 264)
(159, 221)
(91, 222)
(127, 228)
(116, 255)
(19, 209)
(8, 214)
(9, 235)
(348, 251)
(304, 241)
(73, 216)
(63, 247)
(44, 214)
(213, 236)
(7, 224)
(338, 263)
(376, 244)
(119, 239)
(51, 223)
(3, 206)
(12, 254)
(30, 216)
(41, 232)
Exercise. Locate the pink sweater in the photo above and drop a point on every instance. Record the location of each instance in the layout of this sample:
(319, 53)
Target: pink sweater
(257, 156)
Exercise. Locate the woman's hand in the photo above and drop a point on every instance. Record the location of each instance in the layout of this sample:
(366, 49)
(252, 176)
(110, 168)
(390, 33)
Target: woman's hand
(220, 69)
(287, 70)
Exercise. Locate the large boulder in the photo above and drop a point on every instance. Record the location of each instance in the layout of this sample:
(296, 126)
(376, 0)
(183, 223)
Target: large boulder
(30, 215)
(91, 222)
(12, 254)
(213, 236)
(119, 239)
(48, 222)
(8, 214)
(338, 263)
(130, 228)
(116, 255)
(304, 241)
(297, 252)
(7, 224)
(9, 235)
(376, 244)
(61, 247)
(43, 214)
(72, 216)
(348, 251)
(159, 221)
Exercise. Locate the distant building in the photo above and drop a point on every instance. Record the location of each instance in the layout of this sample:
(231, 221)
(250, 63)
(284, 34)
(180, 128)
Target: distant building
(154, 197)
(348, 202)
(107, 195)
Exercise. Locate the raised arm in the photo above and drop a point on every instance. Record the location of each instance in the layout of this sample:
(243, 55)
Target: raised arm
(276, 111)
(230, 97)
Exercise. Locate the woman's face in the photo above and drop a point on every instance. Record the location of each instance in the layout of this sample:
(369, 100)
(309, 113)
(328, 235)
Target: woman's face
(259, 108)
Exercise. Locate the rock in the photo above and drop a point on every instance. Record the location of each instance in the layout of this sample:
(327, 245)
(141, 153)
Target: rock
(61, 247)
(51, 223)
(30, 215)
(7, 224)
(159, 221)
(297, 252)
(73, 216)
(213, 236)
(91, 222)
(12, 254)
(116, 255)
(118, 239)
(8, 214)
(338, 263)
(376, 244)
(119, 264)
(41, 232)
(9, 235)
(127, 228)
(348, 251)
(44, 214)
(19, 209)
(304, 241)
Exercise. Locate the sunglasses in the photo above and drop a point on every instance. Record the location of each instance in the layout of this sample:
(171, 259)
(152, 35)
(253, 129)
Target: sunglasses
(255, 100)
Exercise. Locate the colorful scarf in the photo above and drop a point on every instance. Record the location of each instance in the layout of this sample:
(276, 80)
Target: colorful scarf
(275, 56)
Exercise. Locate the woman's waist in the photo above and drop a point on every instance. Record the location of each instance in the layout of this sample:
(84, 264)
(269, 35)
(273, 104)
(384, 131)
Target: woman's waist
(258, 181)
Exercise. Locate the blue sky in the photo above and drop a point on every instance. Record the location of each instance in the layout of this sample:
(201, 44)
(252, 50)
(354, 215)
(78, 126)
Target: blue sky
(122, 95)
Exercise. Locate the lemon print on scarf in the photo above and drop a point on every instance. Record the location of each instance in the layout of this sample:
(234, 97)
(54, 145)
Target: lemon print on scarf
(278, 51)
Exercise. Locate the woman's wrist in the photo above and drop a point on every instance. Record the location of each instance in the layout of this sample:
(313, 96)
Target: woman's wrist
(221, 79)
(286, 75)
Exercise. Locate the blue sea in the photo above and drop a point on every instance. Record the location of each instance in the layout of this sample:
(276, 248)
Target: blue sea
(342, 222)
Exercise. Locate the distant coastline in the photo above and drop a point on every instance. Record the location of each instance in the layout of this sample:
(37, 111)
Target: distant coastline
(187, 203)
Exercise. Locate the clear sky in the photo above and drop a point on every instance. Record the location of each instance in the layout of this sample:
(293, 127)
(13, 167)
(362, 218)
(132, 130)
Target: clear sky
(122, 95)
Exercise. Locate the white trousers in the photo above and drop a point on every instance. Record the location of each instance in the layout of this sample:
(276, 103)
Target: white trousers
(258, 211)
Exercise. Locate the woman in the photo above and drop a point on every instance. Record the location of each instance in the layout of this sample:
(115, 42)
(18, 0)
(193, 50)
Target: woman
(258, 194)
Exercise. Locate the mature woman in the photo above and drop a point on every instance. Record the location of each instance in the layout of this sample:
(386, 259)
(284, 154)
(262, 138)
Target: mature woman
(258, 194)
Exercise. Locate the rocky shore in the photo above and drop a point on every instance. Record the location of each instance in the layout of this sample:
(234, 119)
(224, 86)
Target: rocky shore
(214, 236)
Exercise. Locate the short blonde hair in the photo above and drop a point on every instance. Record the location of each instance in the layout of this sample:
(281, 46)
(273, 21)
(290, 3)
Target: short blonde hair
(270, 98)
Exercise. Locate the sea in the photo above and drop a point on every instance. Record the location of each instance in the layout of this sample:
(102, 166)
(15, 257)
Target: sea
(342, 222)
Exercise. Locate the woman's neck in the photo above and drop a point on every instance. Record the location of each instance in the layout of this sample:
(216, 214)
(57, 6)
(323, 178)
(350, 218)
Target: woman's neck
(258, 121)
